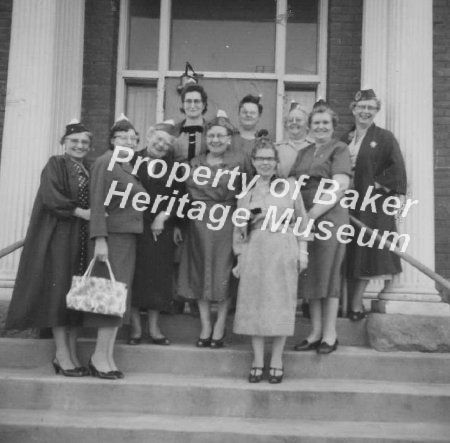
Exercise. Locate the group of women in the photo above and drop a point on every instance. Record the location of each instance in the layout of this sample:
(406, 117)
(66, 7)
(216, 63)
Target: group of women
(159, 254)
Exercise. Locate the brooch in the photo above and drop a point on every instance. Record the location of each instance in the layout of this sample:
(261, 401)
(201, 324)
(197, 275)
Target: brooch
(373, 144)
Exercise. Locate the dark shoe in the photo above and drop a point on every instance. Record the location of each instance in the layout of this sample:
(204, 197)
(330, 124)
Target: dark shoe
(118, 374)
(273, 377)
(162, 341)
(305, 345)
(203, 342)
(66, 372)
(325, 348)
(357, 315)
(82, 370)
(134, 341)
(110, 375)
(217, 344)
(255, 375)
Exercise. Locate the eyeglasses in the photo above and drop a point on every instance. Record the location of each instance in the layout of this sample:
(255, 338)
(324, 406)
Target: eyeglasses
(131, 138)
(366, 107)
(195, 102)
(77, 140)
(264, 159)
(220, 137)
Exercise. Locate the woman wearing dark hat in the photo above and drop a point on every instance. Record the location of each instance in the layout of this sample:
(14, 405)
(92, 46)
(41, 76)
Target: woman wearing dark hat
(207, 255)
(250, 110)
(55, 249)
(378, 162)
(114, 230)
(153, 277)
(296, 125)
(327, 158)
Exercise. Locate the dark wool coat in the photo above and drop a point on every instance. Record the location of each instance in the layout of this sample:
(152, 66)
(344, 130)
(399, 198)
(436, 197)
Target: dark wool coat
(50, 255)
(379, 160)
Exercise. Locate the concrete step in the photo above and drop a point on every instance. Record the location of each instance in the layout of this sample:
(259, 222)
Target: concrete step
(310, 399)
(350, 363)
(24, 426)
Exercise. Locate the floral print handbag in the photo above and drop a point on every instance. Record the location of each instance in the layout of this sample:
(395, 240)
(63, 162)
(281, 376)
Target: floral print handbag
(96, 294)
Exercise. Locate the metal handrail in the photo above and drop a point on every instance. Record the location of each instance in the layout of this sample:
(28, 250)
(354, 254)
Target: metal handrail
(408, 258)
(11, 248)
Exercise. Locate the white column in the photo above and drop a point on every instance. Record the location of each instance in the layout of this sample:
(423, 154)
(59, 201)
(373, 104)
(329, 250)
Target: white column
(397, 63)
(43, 94)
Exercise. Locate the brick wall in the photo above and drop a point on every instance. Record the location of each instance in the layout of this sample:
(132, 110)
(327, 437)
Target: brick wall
(344, 58)
(441, 97)
(5, 34)
(99, 69)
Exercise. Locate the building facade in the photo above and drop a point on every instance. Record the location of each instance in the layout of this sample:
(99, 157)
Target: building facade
(95, 59)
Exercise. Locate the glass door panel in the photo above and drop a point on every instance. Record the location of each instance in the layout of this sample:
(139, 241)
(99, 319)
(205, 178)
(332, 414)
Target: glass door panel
(302, 37)
(143, 39)
(141, 107)
(223, 35)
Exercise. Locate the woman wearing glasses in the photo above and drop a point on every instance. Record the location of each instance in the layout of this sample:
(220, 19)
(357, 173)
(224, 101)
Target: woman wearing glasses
(207, 255)
(55, 249)
(113, 229)
(296, 125)
(268, 265)
(378, 162)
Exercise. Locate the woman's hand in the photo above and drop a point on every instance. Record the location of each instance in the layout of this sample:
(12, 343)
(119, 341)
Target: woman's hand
(235, 271)
(101, 249)
(177, 236)
(302, 261)
(84, 214)
(158, 225)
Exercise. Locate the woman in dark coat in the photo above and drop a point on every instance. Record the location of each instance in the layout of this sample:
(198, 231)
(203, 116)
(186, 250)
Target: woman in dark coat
(114, 228)
(153, 277)
(55, 249)
(377, 162)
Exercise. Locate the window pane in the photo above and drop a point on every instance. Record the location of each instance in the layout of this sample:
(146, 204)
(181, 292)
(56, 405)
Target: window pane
(223, 35)
(143, 39)
(226, 95)
(301, 37)
(141, 107)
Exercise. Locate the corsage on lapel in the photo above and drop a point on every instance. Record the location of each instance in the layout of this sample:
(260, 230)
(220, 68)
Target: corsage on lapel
(373, 144)
(351, 136)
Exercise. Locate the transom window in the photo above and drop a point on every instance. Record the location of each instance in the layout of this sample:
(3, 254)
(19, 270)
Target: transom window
(273, 48)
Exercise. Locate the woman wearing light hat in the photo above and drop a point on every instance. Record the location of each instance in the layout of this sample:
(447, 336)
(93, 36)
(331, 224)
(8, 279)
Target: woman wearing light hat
(207, 256)
(55, 249)
(153, 277)
(377, 161)
(296, 125)
(114, 230)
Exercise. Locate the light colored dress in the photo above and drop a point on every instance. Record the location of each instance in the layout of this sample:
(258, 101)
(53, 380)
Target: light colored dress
(287, 153)
(268, 266)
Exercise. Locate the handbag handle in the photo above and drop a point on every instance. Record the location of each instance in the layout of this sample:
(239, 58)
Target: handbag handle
(91, 266)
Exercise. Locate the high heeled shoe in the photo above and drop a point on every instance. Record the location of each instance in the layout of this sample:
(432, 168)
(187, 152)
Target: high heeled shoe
(256, 374)
(110, 375)
(305, 345)
(203, 342)
(274, 377)
(325, 348)
(217, 344)
(83, 370)
(118, 374)
(66, 372)
(161, 341)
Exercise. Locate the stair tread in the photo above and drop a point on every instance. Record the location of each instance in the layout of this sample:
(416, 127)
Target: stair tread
(417, 431)
(44, 374)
